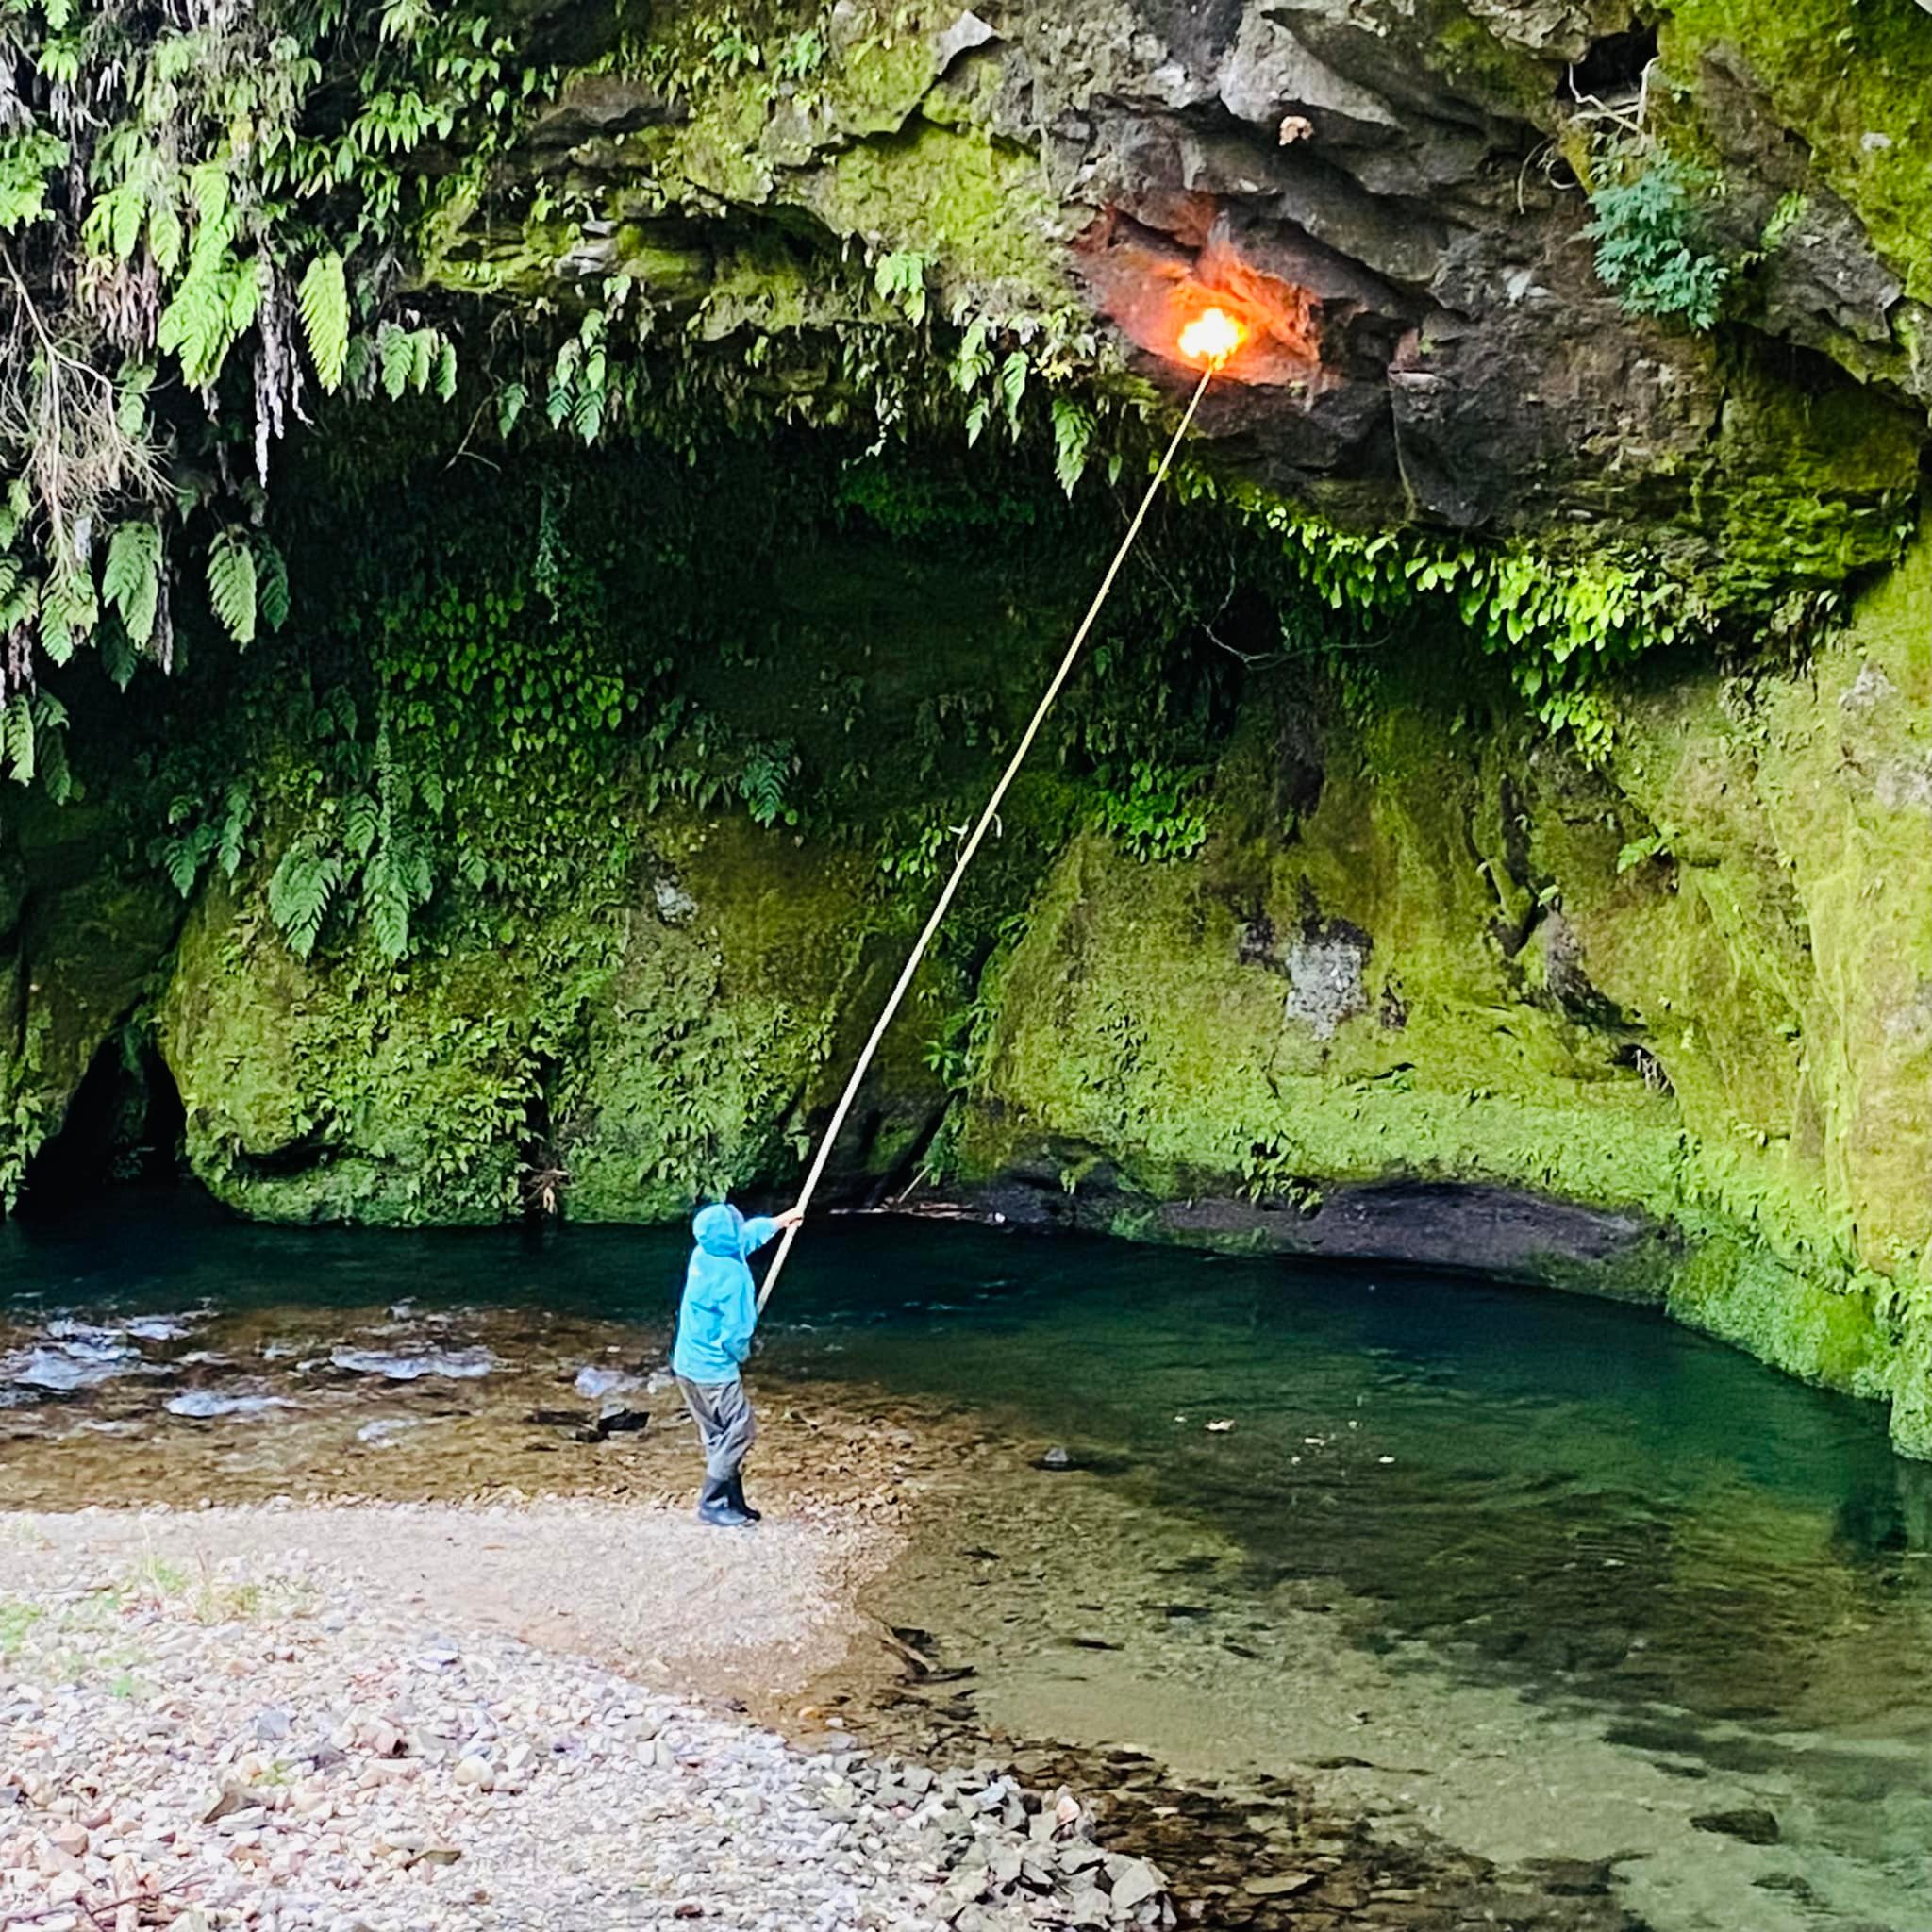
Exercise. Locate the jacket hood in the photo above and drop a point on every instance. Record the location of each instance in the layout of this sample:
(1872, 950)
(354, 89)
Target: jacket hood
(720, 1229)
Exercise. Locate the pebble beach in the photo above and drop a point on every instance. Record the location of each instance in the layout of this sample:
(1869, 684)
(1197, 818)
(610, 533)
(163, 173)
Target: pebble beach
(208, 1724)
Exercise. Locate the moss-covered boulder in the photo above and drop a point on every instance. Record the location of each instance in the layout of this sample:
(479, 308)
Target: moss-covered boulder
(84, 933)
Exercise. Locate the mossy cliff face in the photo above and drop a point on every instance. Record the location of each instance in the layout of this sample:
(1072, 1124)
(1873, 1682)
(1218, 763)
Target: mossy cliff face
(641, 1057)
(1390, 195)
(1321, 950)
(1688, 991)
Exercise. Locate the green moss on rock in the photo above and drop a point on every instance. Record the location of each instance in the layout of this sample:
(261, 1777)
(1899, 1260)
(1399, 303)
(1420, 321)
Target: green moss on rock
(1855, 85)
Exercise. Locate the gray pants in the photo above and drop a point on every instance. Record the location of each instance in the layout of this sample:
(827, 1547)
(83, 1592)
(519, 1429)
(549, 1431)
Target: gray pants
(726, 1426)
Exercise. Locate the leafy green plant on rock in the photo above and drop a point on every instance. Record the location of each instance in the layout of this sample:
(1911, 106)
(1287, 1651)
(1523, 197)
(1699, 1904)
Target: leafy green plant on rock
(769, 770)
(1651, 228)
(196, 834)
(1270, 1172)
(1155, 809)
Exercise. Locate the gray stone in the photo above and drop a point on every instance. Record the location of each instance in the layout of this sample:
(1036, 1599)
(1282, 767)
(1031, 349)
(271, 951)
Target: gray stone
(1088, 1906)
(1134, 1881)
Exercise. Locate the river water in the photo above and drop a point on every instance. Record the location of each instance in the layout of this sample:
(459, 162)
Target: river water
(1538, 1578)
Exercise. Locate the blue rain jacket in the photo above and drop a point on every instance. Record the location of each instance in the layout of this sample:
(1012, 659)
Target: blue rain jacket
(721, 1304)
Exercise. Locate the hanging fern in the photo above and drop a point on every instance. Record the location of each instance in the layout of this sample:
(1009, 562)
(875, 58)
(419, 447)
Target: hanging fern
(237, 811)
(1073, 433)
(231, 584)
(131, 580)
(300, 893)
(901, 277)
(191, 839)
(117, 656)
(1013, 373)
(31, 743)
(323, 300)
(17, 740)
(361, 822)
(68, 612)
(398, 353)
(395, 882)
(184, 854)
(973, 363)
(271, 584)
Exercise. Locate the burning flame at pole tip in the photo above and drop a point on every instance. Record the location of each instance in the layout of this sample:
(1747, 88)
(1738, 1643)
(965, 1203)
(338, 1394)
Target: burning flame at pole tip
(1211, 338)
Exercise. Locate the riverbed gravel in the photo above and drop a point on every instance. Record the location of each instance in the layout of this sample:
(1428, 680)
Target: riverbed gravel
(208, 1724)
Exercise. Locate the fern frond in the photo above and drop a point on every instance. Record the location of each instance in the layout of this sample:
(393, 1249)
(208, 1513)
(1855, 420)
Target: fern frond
(1072, 432)
(768, 771)
(163, 234)
(973, 363)
(1013, 373)
(194, 328)
(130, 408)
(17, 740)
(56, 780)
(231, 584)
(361, 820)
(323, 300)
(238, 810)
(587, 412)
(184, 855)
(271, 584)
(246, 284)
(68, 610)
(398, 357)
(301, 892)
(119, 659)
(131, 579)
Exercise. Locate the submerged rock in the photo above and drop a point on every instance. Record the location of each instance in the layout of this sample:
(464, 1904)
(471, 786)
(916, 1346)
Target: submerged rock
(1754, 1826)
(594, 1382)
(414, 1364)
(78, 1358)
(385, 1429)
(619, 1419)
(205, 1405)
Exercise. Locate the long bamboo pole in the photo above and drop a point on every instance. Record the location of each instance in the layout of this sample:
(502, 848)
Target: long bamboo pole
(896, 998)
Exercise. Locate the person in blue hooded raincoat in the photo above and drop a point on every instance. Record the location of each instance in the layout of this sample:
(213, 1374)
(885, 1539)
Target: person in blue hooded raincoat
(715, 1321)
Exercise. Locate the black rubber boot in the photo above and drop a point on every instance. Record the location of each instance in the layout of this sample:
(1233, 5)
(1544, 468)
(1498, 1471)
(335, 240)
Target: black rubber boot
(736, 1492)
(716, 1508)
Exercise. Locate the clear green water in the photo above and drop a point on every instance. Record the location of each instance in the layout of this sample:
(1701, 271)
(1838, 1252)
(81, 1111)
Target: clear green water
(1544, 1576)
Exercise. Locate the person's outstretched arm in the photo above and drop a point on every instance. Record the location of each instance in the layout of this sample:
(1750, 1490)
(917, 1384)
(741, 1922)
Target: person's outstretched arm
(760, 1228)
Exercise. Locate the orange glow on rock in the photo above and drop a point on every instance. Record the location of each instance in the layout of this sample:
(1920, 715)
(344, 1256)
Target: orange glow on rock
(1213, 337)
